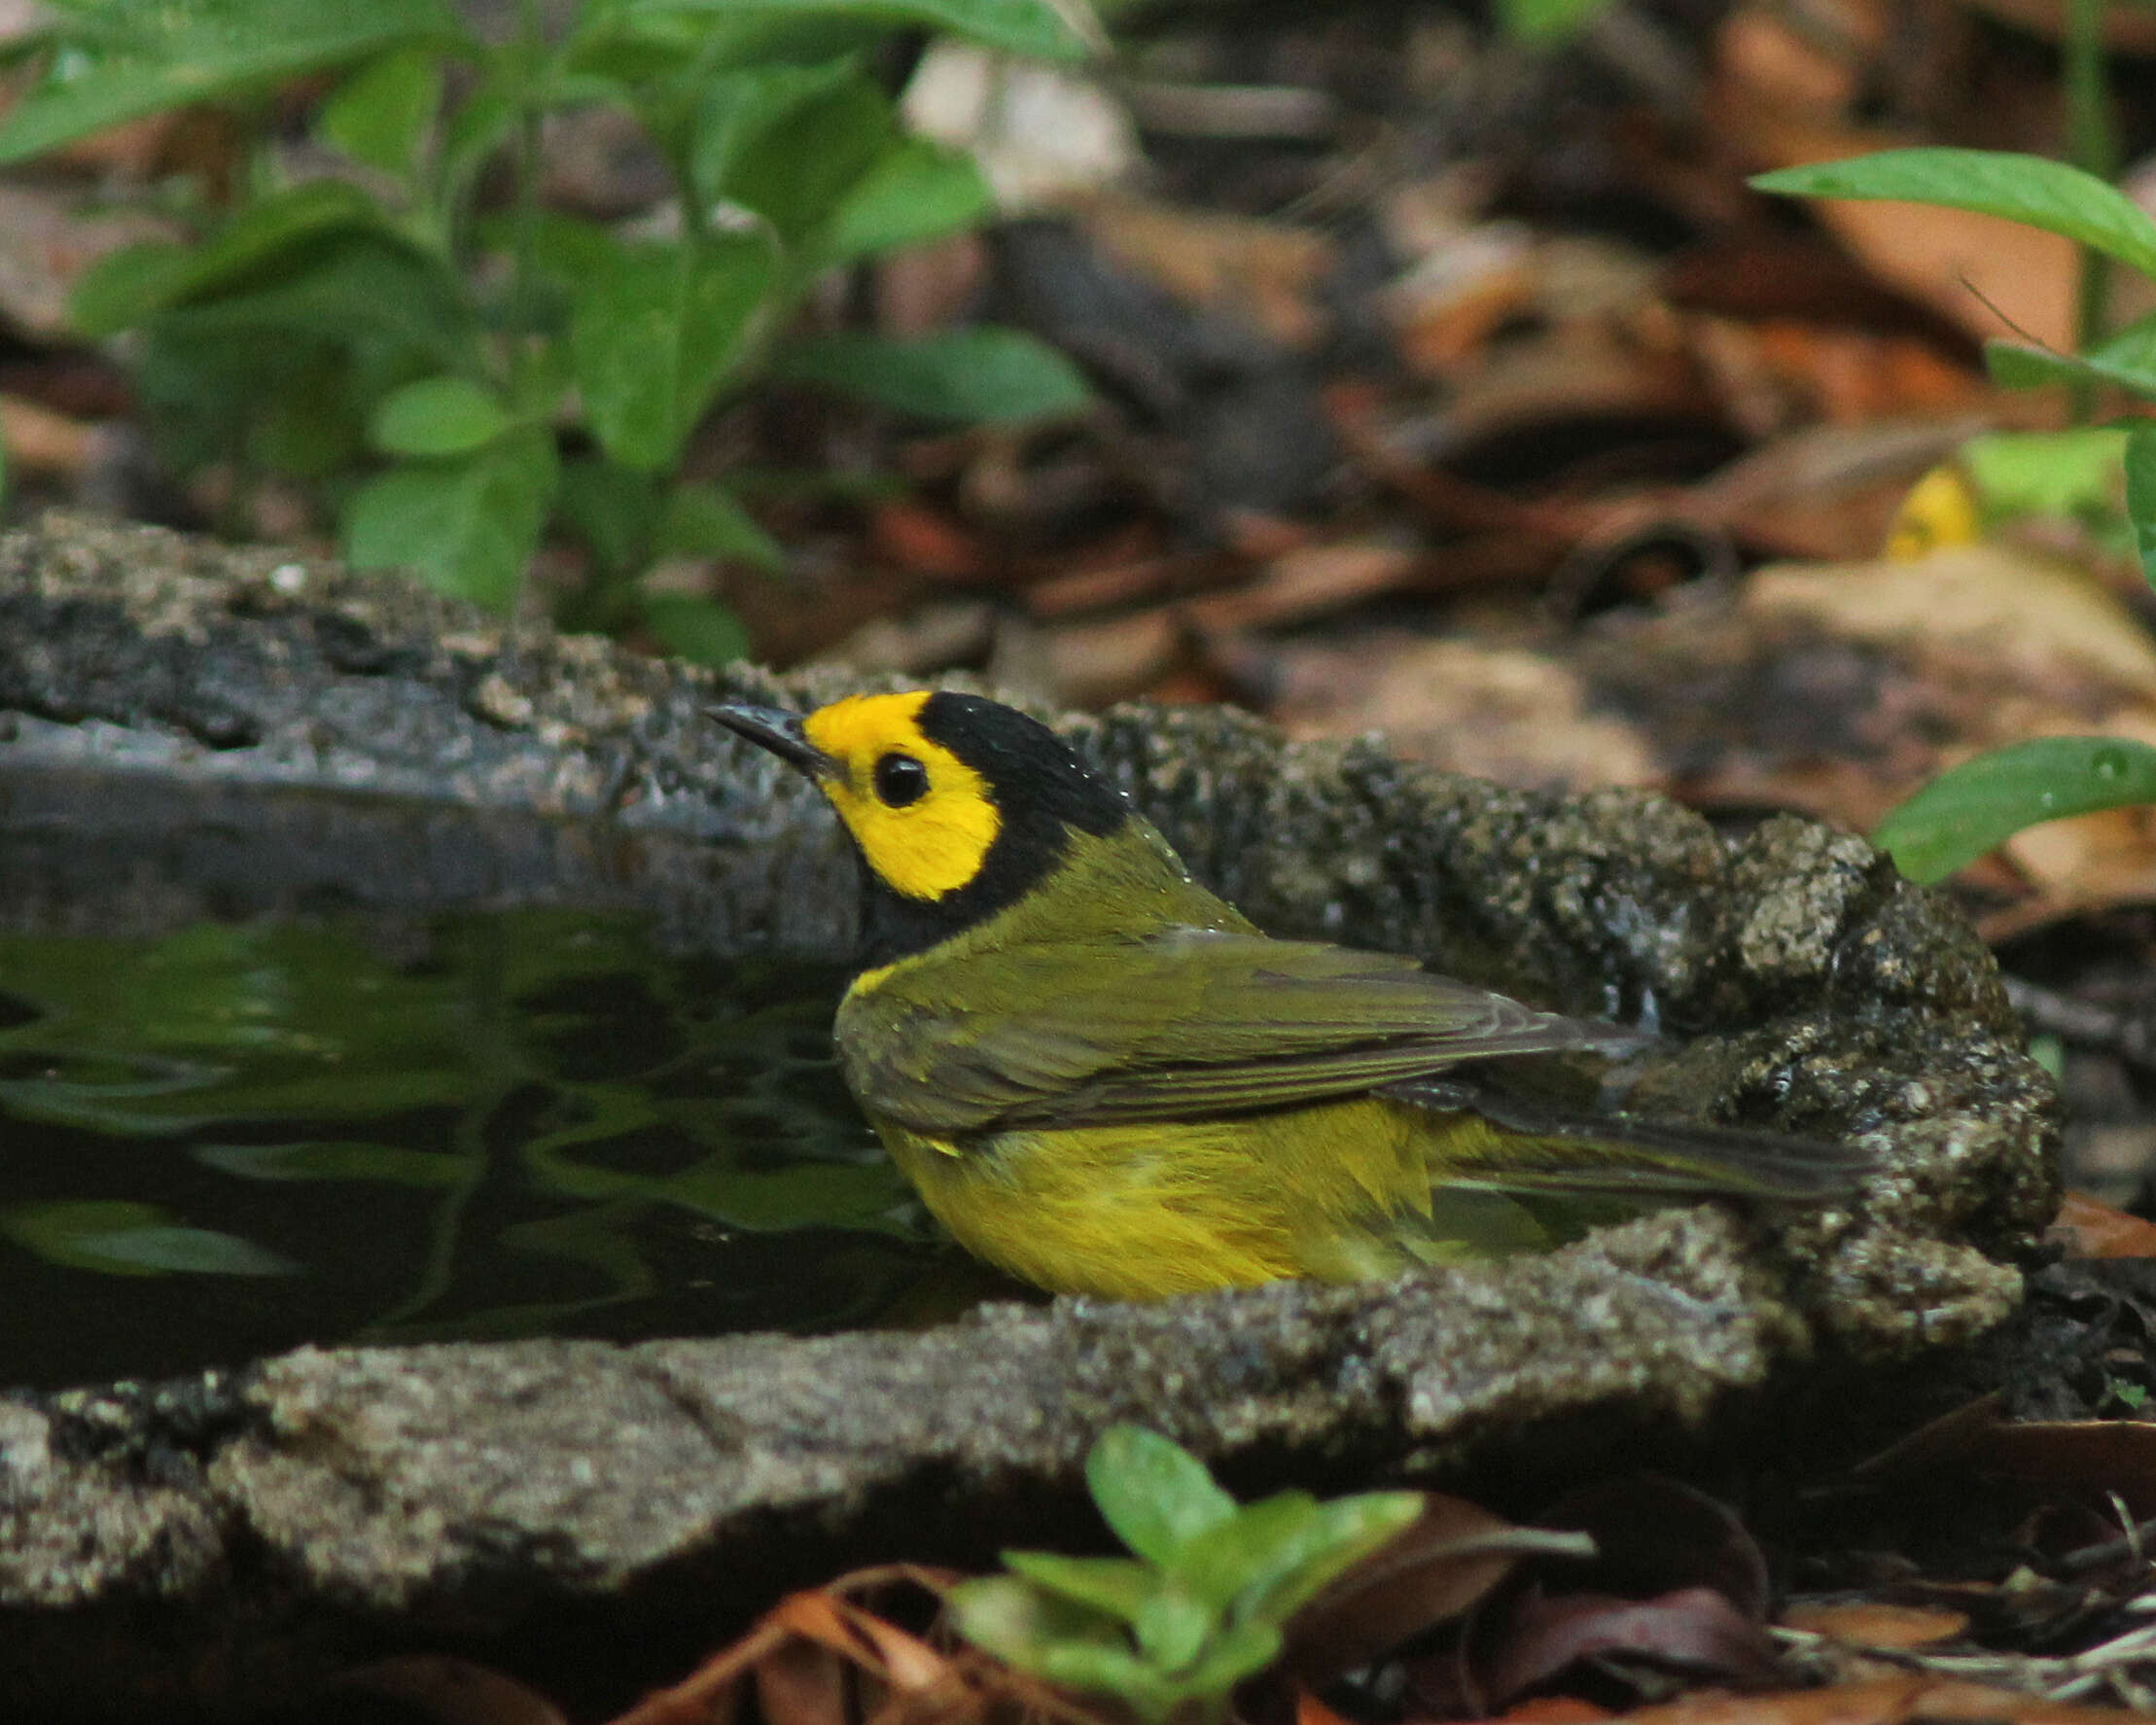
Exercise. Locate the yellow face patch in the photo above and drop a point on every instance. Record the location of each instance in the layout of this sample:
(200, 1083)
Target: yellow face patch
(924, 820)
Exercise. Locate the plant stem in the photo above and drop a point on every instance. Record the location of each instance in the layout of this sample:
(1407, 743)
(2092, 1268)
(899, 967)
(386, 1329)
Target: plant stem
(2092, 141)
(523, 314)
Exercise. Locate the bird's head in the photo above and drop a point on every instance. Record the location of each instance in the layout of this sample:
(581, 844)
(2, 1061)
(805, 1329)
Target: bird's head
(958, 805)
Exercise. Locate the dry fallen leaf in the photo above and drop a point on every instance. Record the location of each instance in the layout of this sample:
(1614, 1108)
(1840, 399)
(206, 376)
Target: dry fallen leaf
(2088, 1229)
(1870, 1624)
(1433, 1573)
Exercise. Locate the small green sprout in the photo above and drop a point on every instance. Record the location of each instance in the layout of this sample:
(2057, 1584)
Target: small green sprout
(1170, 1632)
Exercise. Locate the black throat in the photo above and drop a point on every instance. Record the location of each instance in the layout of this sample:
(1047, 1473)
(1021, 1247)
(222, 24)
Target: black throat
(1043, 792)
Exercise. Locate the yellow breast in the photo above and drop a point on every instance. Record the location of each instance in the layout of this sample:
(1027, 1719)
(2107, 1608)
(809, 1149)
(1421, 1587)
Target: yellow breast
(1335, 1192)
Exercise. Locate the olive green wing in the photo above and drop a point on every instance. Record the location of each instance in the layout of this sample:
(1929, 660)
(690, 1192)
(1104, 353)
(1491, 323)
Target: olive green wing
(1183, 1024)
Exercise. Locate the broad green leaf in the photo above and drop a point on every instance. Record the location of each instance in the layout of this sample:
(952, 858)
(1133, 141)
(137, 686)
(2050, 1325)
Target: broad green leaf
(968, 376)
(1242, 1651)
(358, 289)
(2127, 357)
(1345, 1532)
(2057, 472)
(193, 1251)
(467, 527)
(1969, 809)
(118, 1237)
(2028, 188)
(572, 250)
(1110, 1669)
(381, 115)
(175, 56)
(336, 1159)
(798, 166)
(2140, 494)
(616, 510)
(693, 627)
(124, 288)
(1117, 1586)
(1173, 1626)
(1019, 1623)
(438, 416)
(477, 128)
(654, 337)
(705, 520)
(735, 110)
(1152, 1492)
(1035, 28)
(1260, 1544)
(919, 191)
(1546, 21)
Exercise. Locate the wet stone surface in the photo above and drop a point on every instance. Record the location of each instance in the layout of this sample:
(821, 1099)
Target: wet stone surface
(221, 1542)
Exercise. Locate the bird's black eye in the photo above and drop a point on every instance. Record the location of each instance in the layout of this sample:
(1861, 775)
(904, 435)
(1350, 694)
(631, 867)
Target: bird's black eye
(901, 780)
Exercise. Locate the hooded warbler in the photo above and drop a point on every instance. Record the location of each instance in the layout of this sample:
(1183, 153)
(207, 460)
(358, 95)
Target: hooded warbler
(1104, 1079)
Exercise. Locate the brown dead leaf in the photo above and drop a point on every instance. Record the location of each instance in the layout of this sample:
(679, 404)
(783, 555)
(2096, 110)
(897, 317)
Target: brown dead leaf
(917, 539)
(1508, 714)
(1869, 1624)
(1433, 1573)
(1676, 1582)
(1887, 1701)
(1554, 1709)
(2090, 1458)
(818, 1658)
(1694, 1630)
(2088, 1229)
(1266, 273)
(453, 1691)
(39, 441)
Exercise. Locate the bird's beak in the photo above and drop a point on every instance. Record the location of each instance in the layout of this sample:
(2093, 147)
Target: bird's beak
(780, 733)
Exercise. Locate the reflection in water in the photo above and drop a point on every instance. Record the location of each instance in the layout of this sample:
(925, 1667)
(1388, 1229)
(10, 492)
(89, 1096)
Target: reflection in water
(238, 1137)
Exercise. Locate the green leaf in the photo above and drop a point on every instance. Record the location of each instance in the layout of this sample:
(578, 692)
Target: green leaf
(1546, 21)
(2071, 473)
(116, 1238)
(1117, 1586)
(735, 110)
(175, 56)
(614, 511)
(1969, 809)
(655, 334)
(1260, 1544)
(1345, 1532)
(693, 627)
(919, 191)
(2140, 494)
(969, 375)
(1173, 1626)
(705, 520)
(477, 126)
(124, 287)
(1113, 1670)
(381, 115)
(2127, 359)
(438, 416)
(2030, 189)
(336, 1159)
(1152, 1492)
(1035, 29)
(1019, 1623)
(466, 527)
(1243, 1651)
(800, 165)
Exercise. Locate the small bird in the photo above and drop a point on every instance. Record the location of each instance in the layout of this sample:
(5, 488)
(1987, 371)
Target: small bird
(1106, 1079)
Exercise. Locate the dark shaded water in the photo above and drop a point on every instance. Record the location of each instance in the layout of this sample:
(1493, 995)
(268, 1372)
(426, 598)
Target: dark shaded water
(237, 1136)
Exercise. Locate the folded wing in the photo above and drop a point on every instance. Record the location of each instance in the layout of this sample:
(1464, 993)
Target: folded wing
(1185, 1024)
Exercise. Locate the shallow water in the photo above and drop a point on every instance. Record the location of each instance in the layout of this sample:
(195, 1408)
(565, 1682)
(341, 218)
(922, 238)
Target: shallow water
(237, 1136)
